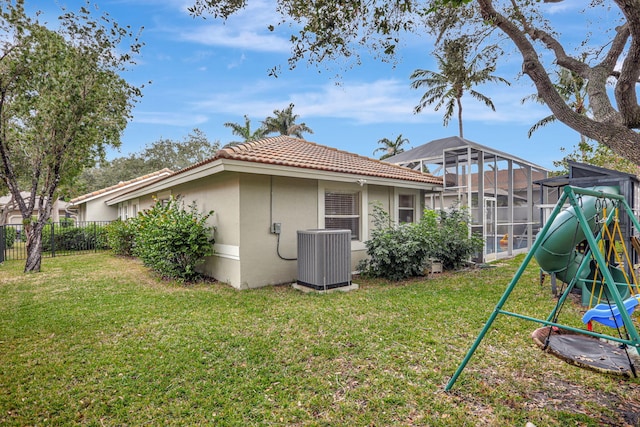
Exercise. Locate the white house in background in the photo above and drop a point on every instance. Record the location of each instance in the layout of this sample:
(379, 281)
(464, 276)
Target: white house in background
(282, 180)
(93, 206)
(10, 212)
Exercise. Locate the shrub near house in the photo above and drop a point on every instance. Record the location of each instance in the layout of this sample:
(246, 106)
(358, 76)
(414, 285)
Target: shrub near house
(399, 251)
(447, 232)
(121, 235)
(169, 239)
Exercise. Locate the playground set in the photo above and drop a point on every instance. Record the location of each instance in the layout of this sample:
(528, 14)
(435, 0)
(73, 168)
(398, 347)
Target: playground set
(585, 247)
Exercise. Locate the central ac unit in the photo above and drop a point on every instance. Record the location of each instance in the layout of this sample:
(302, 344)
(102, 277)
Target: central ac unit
(324, 258)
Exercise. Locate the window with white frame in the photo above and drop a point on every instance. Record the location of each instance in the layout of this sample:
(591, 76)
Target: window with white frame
(134, 208)
(342, 211)
(406, 208)
(123, 208)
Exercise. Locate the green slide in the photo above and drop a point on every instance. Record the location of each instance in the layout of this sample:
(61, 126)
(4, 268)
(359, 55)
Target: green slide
(557, 253)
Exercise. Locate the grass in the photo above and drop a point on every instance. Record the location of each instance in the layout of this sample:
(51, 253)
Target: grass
(95, 340)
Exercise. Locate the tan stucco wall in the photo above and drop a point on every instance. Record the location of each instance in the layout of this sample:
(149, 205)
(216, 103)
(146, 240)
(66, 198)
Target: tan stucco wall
(382, 196)
(219, 193)
(98, 210)
(246, 205)
(265, 200)
(15, 216)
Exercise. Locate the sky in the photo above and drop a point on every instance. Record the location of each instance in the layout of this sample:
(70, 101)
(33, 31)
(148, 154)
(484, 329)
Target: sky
(206, 72)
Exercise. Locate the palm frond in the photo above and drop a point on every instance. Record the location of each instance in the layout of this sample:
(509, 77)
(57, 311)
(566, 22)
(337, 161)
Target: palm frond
(541, 123)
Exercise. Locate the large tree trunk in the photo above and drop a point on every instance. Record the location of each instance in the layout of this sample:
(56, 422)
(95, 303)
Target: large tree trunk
(612, 128)
(34, 246)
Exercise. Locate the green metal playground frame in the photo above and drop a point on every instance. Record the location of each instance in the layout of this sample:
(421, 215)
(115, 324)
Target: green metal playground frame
(573, 195)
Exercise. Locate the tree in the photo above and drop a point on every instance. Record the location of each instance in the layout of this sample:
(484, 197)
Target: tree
(164, 153)
(244, 131)
(573, 89)
(62, 103)
(334, 29)
(284, 123)
(176, 155)
(391, 148)
(596, 154)
(458, 74)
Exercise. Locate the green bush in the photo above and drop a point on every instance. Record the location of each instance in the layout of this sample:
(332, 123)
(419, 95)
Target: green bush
(396, 251)
(172, 240)
(68, 237)
(121, 237)
(448, 234)
(66, 222)
(399, 251)
(9, 236)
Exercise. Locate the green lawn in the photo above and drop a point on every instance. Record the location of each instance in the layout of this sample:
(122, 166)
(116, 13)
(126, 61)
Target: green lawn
(95, 340)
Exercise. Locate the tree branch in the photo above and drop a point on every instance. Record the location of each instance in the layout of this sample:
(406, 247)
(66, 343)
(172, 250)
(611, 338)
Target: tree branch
(614, 134)
(625, 91)
(531, 64)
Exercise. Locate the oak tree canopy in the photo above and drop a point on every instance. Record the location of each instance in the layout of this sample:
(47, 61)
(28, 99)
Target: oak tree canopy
(607, 58)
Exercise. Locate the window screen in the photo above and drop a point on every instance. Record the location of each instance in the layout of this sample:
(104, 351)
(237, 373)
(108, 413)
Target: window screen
(406, 208)
(342, 211)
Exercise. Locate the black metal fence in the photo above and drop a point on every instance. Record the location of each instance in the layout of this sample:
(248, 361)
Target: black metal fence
(58, 239)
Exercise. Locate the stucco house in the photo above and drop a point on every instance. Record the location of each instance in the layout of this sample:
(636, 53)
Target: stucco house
(93, 206)
(296, 184)
(10, 212)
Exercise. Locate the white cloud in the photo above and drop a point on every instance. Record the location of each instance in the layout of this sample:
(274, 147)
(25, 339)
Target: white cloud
(361, 102)
(364, 102)
(237, 62)
(246, 29)
(221, 35)
(169, 119)
(384, 100)
(508, 103)
(560, 7)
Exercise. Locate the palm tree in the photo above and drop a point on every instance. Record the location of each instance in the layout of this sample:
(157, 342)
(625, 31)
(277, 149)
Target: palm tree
(391, 148)
(284, 123)
(573, 89)
(457, 75)
(244, 132)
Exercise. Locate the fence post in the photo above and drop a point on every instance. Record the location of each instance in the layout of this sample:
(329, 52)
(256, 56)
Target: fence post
(3, 242)
(53, 240)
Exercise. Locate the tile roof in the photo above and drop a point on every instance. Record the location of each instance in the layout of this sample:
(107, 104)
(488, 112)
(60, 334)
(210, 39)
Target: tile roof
(123, 184)
(298, 153)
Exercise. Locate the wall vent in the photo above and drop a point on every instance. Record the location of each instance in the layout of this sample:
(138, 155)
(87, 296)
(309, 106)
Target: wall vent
(324, 258)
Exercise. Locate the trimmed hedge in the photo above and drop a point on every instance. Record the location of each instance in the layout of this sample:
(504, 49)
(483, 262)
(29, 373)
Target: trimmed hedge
(121, 237)
(9, 236)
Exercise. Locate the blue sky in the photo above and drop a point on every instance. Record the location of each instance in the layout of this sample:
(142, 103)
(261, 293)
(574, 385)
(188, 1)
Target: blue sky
(204, 73)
